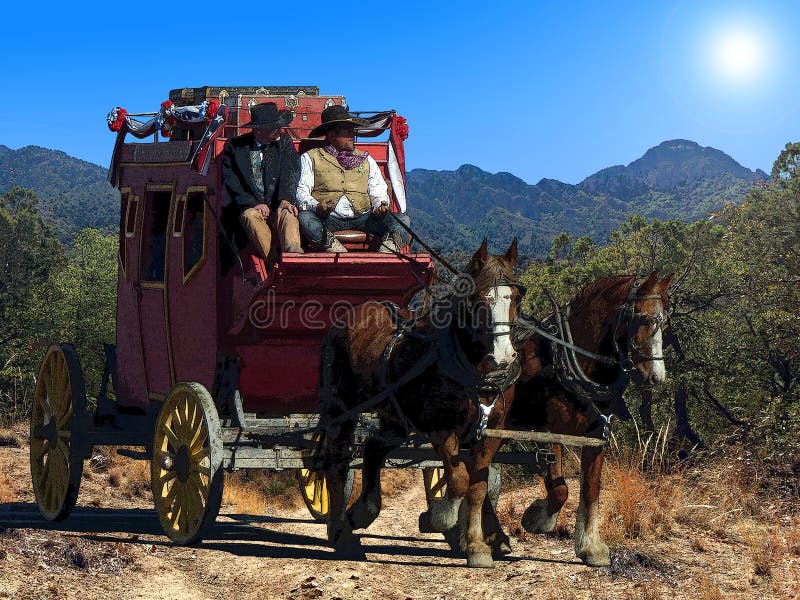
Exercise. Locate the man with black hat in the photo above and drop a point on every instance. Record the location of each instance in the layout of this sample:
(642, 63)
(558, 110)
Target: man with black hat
(342, 188)
(260, 171)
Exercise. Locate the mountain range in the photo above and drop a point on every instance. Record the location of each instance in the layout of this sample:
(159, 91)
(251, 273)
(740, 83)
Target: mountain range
(453, 209)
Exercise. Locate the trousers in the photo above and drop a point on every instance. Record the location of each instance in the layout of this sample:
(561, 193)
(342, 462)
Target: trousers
(259, 230)
(314, 226)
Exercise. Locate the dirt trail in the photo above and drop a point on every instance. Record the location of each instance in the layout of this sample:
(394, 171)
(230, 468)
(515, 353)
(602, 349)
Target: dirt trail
(111, 547)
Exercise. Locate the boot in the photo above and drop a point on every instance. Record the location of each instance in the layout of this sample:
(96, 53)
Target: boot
(390, 244)
(334, 245)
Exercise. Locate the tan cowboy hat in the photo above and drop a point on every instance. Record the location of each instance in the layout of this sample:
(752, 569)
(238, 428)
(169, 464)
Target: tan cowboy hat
(333, 115)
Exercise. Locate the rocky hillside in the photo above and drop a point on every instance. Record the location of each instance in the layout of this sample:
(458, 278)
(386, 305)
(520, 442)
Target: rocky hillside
(74, 193)
(676, 179)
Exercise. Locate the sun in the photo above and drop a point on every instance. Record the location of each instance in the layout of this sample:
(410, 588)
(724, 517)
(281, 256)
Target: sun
(738, 54)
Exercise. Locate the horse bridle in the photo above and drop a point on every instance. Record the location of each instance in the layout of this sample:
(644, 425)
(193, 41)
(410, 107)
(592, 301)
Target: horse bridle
(628, 316)
(521, 289)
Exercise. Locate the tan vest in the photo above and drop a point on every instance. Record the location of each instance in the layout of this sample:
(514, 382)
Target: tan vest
(331, 180)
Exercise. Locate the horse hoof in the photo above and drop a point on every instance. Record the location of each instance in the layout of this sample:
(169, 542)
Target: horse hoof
(480, 560)
(361, 515)
(597, 556)
(453, 539)
(501, 549)
(425, 525)
(536, 520)
(349, 548)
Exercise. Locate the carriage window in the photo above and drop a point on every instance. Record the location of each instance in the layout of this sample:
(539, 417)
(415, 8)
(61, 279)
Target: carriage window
(154, 236)
(129, 215)
(193, 231)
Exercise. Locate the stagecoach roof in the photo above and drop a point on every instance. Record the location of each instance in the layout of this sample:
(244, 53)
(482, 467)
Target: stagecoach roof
(183, 96)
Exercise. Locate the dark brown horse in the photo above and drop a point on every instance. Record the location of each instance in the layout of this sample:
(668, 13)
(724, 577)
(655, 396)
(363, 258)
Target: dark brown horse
(434, 374)
(620, 321)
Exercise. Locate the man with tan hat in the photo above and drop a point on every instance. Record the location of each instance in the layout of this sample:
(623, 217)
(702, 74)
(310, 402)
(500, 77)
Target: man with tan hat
(342, 188)
(259, 172)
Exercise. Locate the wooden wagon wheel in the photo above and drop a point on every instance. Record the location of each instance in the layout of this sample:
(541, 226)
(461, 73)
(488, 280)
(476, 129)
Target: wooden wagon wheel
(314, 489)
(57, 436)
(185, 470)
(436, 484)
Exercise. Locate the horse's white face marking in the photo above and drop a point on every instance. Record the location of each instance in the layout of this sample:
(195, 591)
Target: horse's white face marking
(500, 298)
(658, 371)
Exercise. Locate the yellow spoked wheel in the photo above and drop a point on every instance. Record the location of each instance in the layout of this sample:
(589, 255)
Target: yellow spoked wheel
(314, 489)
(435, 483)
(186, 471)
(57, 451)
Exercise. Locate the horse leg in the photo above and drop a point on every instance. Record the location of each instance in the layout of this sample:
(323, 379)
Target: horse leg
(542, 514)
(588, 545)
(479, 553)
(443, 514)
(337, 463)
(493, 531)
(368, 506)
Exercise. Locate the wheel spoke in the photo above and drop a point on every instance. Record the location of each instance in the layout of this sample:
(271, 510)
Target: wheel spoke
(59, 470)
(175, 510)
(201, 470)
(195, 498)
(172, 439)
(45, 470)
(64, 420)
(167, 476)
(200, 486)
(169, 497)
(37, 450)
(64, 403)
(46, 399)
(200, 453)
(183, 409)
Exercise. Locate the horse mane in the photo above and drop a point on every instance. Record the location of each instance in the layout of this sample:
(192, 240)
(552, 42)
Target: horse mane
(607, 287)
(603, 288)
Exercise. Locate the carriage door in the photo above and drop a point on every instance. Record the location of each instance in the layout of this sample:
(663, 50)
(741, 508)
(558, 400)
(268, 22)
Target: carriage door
(191, 280)
(153, 318)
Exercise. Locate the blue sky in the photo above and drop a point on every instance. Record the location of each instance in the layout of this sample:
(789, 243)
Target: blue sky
(531, 88)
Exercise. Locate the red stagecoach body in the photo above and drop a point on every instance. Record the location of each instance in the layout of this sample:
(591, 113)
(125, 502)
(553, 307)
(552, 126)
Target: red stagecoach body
(185, 314)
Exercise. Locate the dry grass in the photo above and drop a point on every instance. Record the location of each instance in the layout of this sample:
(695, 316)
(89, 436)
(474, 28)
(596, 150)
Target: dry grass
(130, 477)
(396, 481)
(6, 488)
(707, 589)
(246, 497)
(636, 505)
(53, 552)
(766, 550)
(9, 438)
(253, 491)
(792, 533)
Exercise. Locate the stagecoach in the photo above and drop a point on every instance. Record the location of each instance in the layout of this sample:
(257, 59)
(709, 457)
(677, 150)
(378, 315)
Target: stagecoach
(216, 360)
(216, 365)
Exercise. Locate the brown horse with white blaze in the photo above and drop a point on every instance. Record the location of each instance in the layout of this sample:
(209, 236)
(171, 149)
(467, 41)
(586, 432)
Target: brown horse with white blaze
(426, 374)
(616, 323)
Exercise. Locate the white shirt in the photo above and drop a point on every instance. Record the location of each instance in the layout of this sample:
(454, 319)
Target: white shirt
(376, 189)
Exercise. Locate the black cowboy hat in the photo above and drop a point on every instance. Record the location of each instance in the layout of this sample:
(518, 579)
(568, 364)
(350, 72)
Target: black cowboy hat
(267, 116)
(333, 115)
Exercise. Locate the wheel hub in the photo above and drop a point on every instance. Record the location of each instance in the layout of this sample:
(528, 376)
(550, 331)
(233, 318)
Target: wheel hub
(181, 463)
(47, 431)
